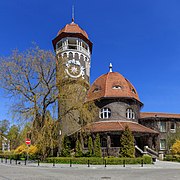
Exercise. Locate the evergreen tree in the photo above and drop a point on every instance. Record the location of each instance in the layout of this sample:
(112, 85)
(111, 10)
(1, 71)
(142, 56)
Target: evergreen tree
(90, 146)
(127, 148)
(78, 151)
(97, 147)
(66, 147)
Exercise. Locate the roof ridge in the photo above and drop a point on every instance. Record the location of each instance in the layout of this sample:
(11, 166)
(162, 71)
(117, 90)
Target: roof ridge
(120, 125)
(105, 89)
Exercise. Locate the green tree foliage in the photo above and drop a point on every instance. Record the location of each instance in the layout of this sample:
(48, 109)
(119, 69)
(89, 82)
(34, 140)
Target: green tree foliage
(97, 146)
(14, 136)
(90, 146)
(46, 137)
(66, 147)
(78, 149)
(127, 148)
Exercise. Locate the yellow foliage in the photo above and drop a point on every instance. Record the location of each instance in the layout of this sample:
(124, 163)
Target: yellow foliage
(23, 149)
(176, 147)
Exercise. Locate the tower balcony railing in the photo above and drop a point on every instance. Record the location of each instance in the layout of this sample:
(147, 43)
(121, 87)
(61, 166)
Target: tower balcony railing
(74, 48)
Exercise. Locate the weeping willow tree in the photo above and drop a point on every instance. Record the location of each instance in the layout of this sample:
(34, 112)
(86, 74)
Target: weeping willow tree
(29, 78)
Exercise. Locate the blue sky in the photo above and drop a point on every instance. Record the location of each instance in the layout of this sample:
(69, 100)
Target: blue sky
(140, 38)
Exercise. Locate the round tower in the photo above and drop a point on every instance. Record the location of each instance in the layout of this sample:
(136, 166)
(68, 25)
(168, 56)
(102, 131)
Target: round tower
(73, 45)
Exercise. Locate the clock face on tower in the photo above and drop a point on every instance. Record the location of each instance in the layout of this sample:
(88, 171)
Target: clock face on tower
(74, 69)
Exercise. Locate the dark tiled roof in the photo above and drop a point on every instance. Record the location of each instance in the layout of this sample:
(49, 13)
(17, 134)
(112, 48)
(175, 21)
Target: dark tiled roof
(145, 115)
(73, 28)
(109, 126)
(111, 85)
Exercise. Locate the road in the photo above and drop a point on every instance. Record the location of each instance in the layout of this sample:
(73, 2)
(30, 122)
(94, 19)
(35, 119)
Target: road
(159, 171)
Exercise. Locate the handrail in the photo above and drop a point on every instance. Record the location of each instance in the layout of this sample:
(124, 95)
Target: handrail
(140, 150)
(151, 151)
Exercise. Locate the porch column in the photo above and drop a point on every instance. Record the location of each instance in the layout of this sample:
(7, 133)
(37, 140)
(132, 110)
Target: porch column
(150, 143)
(108, 141)
(108, 144)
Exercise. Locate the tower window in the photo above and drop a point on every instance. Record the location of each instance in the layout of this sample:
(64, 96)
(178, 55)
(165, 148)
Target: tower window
(105, 113)
(130, 114)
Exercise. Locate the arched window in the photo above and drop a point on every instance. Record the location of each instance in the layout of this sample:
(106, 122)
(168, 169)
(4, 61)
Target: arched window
(105, 113)
(70, 55)
(130, 114)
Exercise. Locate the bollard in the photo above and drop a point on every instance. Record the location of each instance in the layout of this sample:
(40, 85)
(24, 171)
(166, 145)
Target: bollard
(105, 163)
(1, 160)
(88, 163)
(5, 160)
(53, 162)
(25, 161)
(16, 161)
(124, 163)
(70, 162)
(38, 162)
(142, 163)
(10, 161)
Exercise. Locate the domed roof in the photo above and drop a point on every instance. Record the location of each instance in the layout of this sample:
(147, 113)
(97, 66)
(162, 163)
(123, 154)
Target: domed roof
(111, 85)
(73, 28)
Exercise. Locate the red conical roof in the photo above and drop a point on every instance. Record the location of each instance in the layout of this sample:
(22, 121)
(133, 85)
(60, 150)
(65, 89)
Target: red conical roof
(112, 85)
(73, 28)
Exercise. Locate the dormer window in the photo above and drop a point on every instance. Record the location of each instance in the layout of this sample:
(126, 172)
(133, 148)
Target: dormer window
(105, 113)
(133, 91)
(116, 87)
(97, 89)
(130, 114)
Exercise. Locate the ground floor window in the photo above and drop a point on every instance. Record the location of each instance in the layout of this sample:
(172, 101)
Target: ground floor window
(162, 144)
(103, 142)
(115, 141)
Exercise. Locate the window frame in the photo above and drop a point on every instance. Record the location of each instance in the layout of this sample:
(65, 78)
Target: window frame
(173, 130)
(105, 113)
(161, 145)
(162, 126)
(130, 114)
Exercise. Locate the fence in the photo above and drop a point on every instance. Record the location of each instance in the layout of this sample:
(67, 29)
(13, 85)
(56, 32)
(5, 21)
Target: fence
(73, 161)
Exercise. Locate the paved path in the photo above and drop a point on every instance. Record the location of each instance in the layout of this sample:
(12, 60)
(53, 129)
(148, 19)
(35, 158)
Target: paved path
(159, 171)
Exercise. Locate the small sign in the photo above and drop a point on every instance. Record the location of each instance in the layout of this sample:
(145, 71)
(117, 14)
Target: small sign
(28, 141)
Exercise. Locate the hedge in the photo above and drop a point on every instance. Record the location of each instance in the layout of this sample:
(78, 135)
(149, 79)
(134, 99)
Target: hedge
(99, 161)
(174, 158)
(15, 156)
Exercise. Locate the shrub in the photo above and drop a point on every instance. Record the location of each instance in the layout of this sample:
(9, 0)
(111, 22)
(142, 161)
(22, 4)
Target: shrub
(127, 148)
(176, 147)
(78, 152)
(97, 147)
(66, 147)
(22, 151)
(100, 161)
(90, 146)
(175, 158)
